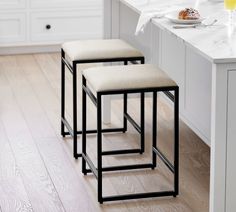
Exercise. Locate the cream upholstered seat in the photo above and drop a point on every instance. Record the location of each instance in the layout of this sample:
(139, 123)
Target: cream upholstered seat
(99, 49)
(127, 77)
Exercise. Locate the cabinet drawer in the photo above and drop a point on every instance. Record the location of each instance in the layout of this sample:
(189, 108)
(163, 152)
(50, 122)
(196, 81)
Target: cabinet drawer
(12, 4)
(12, 28)
(64, 3)
(60, 26)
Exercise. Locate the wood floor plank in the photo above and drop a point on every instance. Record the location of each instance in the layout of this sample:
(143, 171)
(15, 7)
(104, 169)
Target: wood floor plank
(38, 184)
(13, 196)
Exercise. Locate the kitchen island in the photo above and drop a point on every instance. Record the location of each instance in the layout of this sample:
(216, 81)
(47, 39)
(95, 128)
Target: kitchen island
(202, 61)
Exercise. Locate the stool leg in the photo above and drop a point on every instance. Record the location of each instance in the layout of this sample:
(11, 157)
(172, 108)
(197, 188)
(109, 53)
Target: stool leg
(99, 147)
(154, 130)
(142, 122)
(75, 111)
(62, 92)
(142, 61)
(125, 112)
(142, 118)
(125, 106)
(84, 127)
(176, 142)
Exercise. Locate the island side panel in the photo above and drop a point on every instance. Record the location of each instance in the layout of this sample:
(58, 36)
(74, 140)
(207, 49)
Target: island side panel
(218, 137)
(127, 25)
(231, 144)
(198, 85)
(172, 61)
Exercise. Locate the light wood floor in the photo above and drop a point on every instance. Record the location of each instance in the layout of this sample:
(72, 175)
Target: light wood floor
(38, 172)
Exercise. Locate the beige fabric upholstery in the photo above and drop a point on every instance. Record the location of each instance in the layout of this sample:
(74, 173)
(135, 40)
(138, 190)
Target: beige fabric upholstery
(99, 49)
(126, 77)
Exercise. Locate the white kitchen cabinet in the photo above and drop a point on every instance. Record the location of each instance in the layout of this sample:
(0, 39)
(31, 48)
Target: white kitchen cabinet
(42, 25)
(59, 25)
(12, 27)
(12, 4)
(64, 3)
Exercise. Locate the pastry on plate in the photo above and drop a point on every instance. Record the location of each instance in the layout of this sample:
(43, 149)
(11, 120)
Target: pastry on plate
(189, 14)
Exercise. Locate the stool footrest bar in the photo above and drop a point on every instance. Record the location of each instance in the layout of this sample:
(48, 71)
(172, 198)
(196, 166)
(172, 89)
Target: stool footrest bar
(90, 94)
(123, 168)
(138, 196)
(67, 64)
(169, 95)
(92, 169)
(111, 130)
(164, 159)
(120, 152)
(117, 152)
(127, 167)
(67, 125)
(132, 122)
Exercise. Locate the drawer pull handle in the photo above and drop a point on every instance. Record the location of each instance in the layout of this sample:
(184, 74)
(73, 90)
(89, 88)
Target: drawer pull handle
(48, 26)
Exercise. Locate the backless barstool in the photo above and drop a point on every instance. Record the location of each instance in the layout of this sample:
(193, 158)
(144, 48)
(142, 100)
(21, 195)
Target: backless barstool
(129, 79)
(95, 51)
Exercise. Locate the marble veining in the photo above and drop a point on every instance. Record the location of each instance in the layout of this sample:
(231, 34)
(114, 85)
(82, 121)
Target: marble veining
(217, 43)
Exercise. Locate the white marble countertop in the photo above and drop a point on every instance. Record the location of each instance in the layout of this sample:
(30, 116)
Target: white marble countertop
(217, 43)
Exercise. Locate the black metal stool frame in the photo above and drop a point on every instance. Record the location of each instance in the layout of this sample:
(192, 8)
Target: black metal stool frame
(174, 168)
(72, 131)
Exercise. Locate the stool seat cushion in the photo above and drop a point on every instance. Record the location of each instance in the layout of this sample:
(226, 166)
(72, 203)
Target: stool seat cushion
(99, 49)
(111, 78)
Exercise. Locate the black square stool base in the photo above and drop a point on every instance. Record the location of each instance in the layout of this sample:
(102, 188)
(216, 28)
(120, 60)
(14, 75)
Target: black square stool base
(98, 171)
(72, 131)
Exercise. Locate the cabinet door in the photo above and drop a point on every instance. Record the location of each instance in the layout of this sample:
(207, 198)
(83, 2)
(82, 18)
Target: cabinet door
(198, 92)
(12, 28)
(66, 25)
(65, 3)
(12, 4)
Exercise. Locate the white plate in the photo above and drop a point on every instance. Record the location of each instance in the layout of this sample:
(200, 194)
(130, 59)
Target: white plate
(173, 17)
